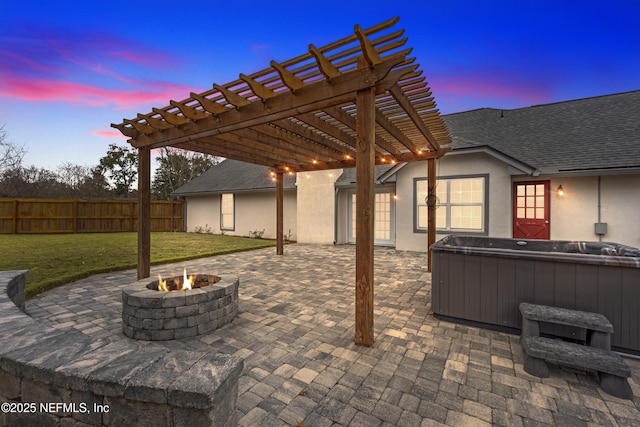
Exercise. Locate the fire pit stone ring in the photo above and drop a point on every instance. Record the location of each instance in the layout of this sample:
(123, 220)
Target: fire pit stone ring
(151, 315)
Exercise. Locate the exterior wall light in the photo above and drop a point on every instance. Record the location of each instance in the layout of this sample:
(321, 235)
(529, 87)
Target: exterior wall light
(560, 191)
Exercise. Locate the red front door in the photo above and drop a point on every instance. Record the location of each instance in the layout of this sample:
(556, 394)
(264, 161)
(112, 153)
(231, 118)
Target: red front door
(531, 210)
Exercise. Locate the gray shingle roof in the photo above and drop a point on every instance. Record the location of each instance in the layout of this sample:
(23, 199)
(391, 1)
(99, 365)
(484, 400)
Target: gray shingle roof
(593, 133)
(232, 176)
(599, 133)
(349, 175)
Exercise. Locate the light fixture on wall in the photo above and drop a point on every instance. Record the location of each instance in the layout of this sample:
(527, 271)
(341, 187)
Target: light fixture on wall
(560, 190)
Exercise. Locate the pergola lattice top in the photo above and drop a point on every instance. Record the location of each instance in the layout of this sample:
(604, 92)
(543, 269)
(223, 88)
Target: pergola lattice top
(300, 114)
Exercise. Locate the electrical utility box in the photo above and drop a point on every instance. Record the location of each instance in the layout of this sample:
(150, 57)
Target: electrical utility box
(601, 228)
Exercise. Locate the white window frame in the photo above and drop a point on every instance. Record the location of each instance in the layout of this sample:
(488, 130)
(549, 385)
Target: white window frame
(227, 211)
(447, 204)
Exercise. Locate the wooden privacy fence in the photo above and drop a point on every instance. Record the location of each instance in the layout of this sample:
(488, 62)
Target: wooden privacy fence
(22, 216)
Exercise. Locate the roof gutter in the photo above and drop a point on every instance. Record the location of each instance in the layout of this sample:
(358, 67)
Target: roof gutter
(592, 171)
(230, 190)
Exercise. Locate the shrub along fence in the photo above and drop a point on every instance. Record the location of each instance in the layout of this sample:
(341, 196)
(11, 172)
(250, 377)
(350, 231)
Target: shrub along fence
(23, 216)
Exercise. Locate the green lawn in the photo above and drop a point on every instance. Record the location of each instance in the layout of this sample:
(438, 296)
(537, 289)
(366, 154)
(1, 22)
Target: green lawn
(55, 259)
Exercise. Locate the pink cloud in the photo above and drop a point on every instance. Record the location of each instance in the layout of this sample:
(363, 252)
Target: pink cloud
(18, 62)
(43, 90)
(492, 87)
(257, 47)
(90, 46)
(90, 68)
(144, 56)
(486, 87)
(112, 133)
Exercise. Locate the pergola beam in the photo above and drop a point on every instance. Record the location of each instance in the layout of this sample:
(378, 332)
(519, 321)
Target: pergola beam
(233, 144)
(308, 133)
(406, 105)
(350, 121)
(387, 125)
(313, 97)
(321, 125)
(293, 142)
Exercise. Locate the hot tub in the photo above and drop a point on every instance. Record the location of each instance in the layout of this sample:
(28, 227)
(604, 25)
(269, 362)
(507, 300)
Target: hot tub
(483, 280)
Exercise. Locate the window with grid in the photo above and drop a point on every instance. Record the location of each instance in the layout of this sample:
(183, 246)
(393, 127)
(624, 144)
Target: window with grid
(227, 212)
(460, 204)
(530, 201)
(382, 216)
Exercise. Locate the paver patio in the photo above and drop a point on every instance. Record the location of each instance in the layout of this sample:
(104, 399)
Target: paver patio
(295, 331)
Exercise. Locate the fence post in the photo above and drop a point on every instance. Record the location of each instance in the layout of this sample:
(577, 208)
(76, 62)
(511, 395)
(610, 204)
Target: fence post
(133, 209)
(15, 216)
(75, 215)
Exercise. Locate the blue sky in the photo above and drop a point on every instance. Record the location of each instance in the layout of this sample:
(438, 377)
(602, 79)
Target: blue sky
(68, 69)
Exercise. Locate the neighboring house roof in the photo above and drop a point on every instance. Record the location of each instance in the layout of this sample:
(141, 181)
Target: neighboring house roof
(581, 136)
(232, 176)
(584, 136)
(348, 176)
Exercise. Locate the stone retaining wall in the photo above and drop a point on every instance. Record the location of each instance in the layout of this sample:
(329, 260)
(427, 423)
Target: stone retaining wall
(64, 378)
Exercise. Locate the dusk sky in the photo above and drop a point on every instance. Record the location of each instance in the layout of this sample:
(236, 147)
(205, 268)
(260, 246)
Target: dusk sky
(68, 69)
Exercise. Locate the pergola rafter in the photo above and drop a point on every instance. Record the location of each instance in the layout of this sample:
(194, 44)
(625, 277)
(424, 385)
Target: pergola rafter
(359, 101)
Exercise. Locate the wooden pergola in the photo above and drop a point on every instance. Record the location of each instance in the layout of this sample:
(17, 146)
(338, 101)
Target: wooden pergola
(359, 101)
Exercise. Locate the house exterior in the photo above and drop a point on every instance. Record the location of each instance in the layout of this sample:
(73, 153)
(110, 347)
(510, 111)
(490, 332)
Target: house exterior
(237, 198)
(563, 171)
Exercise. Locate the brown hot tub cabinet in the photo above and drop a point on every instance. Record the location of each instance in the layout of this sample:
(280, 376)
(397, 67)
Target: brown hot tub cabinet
(483, 280)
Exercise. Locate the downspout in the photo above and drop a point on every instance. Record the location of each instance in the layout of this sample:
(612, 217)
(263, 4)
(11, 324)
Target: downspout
(599, 207)
(335, 216)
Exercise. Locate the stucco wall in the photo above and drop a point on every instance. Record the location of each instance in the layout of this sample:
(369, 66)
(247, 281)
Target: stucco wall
(254, 211)
(257, 211)
(499, 201)
(203, 211)
(573, 215)
(316, 206)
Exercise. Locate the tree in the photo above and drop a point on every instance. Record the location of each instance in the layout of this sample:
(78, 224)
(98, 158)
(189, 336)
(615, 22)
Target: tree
(120, 165)
(83, 181)
(177, 167)
(11, 155)
(72, 175)
(68, 181)
(95, 184)
(31, 182)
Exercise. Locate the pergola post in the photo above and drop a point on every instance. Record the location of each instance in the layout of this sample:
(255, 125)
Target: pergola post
(279, 214)
(431, 208)
(365, 162)
(144, 212)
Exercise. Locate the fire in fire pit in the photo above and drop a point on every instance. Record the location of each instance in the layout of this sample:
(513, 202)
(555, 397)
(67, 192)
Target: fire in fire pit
(183, 283)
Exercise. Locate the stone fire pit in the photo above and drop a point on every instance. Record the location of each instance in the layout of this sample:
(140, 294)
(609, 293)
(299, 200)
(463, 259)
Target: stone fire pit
(152, 315)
